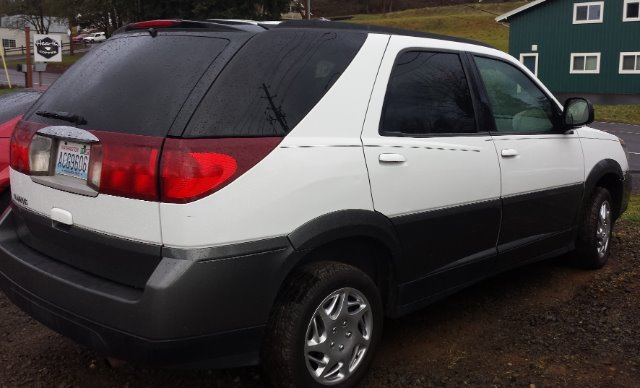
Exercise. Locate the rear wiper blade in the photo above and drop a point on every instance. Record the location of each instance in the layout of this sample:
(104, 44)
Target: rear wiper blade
(64, 116)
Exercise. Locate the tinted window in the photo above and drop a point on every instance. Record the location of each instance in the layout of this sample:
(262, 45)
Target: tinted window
(273, 82)
(134, 84)
(518, 105)
(428, 93)
(633, 10)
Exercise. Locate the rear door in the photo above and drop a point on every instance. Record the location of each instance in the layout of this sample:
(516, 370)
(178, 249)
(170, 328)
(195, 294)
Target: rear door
(432, 172)
(542, 164)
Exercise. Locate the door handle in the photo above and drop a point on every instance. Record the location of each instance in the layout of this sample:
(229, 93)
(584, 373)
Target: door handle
(392, 158)
(510, 153)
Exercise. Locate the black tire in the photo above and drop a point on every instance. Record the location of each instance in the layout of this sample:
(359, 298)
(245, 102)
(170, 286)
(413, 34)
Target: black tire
(5, 200)
(283, 353)
(591, 252)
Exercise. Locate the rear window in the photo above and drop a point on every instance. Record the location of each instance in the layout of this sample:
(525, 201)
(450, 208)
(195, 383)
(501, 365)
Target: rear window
(134, 84)
(273, 83)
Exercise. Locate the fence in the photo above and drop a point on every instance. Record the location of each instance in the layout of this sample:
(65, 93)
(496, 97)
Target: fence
(23, 50)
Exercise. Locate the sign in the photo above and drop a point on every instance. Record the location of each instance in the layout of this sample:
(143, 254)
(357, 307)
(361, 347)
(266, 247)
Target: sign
(47, 48)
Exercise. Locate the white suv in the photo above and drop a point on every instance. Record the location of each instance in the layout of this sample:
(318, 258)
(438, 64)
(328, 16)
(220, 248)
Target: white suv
(276, 195)
(95, 37)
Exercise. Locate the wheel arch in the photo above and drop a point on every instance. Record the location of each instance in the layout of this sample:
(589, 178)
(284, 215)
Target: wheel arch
(364, 239)
(607, 174)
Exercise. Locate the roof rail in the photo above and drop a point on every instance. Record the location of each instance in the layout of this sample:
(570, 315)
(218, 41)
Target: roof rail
(321, 24)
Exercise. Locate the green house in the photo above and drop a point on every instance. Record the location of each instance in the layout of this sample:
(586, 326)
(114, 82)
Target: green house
(578, 47)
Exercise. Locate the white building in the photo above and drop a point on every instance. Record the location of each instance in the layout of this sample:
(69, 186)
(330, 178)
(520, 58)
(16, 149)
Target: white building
(12, 37)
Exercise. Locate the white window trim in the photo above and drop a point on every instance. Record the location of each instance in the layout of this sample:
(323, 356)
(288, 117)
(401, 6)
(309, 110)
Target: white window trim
(8, 41)
(622, 54)
(624, 12)
(596, 71)
(522, 55)
(575, 12)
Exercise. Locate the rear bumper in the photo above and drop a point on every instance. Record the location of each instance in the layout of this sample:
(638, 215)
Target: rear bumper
(204, 308)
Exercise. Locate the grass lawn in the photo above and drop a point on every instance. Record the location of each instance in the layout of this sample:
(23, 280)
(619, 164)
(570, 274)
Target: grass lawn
(473, 21)
(60, 67)
(629, 114)
(4, 90)
(633, 212)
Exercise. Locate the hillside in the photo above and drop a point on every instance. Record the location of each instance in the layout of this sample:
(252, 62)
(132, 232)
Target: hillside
(472, 20)
(328, 8)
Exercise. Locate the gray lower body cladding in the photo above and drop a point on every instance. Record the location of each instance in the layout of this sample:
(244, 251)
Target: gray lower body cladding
(192, 309)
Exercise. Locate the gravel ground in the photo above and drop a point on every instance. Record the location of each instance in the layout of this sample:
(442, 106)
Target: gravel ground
(545, 325)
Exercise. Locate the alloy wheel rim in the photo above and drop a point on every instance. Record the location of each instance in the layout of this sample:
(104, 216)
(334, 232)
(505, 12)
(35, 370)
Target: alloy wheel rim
(338, 336)
(603, 231)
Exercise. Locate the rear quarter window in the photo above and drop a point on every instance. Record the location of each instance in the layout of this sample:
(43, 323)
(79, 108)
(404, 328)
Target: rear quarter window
(274, 82)
(132, 84)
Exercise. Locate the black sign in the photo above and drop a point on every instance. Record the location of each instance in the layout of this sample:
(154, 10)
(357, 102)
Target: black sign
(47, 47)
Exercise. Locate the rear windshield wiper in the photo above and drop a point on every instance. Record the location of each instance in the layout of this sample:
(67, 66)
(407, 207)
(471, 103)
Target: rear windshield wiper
(64, 116)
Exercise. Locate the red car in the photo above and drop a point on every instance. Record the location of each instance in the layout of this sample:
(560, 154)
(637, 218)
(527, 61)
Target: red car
(79, 38)
(12, 107)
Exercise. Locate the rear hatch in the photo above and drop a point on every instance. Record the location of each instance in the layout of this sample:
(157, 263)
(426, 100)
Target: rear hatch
(85, 158)
(149, 125)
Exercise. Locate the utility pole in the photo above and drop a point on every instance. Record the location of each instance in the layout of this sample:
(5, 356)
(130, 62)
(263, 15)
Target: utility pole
(29, 74)
(308, 9)
(70, 36)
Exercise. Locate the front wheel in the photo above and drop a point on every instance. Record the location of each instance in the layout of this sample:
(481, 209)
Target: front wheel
(594, 235)
(325, 328)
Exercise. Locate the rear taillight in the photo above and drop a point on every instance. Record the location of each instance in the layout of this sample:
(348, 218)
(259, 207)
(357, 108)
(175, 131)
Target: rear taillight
(144, 167)
(194, 168)
(20, 142)
(125, 165)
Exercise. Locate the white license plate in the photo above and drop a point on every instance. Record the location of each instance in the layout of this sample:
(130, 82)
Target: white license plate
(73, 159)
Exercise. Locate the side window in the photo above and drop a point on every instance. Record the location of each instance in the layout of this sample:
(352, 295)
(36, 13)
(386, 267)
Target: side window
(273, 82)
(518, 105)
(428, 93)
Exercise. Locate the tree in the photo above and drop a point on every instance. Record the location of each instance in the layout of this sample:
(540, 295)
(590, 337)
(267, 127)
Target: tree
(109, 15)
(39, 14)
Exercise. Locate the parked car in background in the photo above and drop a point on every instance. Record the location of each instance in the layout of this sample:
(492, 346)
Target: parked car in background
(225, 211)
(12, 106)
(95, 37)
(79, 38)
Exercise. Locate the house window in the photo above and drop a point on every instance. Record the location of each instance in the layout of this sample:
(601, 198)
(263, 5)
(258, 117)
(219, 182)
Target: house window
(630, 63)
(588, 12)
(585, 63)
(631, 11)
(530, 61)
(9, 43)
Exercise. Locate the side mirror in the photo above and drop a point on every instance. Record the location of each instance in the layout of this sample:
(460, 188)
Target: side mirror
(577, 112)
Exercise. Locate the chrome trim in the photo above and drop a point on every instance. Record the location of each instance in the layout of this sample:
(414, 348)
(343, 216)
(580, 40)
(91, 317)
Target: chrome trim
(70, 133)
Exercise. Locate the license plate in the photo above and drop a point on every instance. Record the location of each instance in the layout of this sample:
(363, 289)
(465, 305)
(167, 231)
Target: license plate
(73, 159)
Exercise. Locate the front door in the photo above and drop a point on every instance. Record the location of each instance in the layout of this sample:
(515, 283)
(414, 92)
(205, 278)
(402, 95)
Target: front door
(541, 163)
(432, 173)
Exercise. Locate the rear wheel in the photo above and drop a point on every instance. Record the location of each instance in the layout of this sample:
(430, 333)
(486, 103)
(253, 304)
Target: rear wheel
(594, 236)
(325, 328)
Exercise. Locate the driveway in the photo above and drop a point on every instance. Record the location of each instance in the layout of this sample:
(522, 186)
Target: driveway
(17, 78)
(544, 325)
